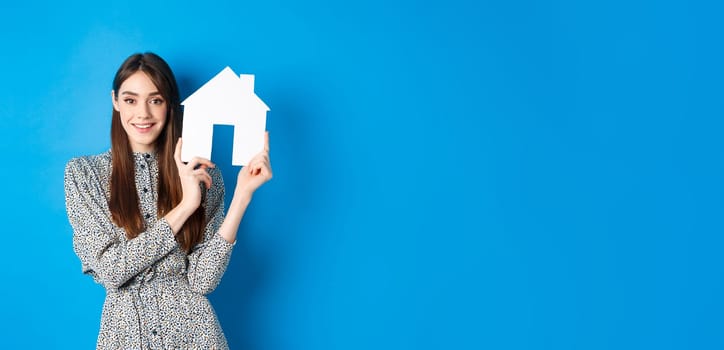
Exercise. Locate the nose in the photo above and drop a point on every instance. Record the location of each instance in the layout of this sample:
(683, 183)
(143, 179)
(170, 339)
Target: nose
(143, 111)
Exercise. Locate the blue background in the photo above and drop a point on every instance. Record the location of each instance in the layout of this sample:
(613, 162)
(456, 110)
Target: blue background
(448, 175)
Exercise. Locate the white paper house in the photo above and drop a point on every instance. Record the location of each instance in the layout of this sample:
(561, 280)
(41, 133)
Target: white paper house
(226, 99)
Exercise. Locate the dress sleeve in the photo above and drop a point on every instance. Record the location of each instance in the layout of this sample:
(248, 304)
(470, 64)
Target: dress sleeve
(207, 262)
(111, 260)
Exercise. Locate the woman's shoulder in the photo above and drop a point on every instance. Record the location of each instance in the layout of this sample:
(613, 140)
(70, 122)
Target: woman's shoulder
(84, 165)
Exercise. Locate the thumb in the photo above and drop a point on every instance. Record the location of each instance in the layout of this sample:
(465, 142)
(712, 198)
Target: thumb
(177, 152)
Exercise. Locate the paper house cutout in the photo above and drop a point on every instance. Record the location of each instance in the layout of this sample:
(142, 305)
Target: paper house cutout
(226, 99)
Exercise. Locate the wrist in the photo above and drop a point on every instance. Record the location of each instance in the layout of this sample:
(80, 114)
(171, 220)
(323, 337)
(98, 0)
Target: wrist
(242, 194)
(186, 208)
(178, 216)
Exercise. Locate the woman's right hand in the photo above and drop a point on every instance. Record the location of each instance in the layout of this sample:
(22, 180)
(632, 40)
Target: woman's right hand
(192, 174)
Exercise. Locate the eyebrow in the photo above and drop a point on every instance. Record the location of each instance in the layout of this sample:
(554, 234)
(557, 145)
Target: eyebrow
(155, 93)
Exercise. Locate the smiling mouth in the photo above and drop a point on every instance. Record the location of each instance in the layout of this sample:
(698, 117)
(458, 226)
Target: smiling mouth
(143, 128)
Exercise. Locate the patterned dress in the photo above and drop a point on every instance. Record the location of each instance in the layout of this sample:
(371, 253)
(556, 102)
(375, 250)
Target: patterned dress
(155, 292)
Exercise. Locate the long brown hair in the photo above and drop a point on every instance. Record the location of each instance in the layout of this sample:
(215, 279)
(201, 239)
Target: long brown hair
(123, 204)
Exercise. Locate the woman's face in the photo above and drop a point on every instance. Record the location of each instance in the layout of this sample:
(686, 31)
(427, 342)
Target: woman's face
(142, 110)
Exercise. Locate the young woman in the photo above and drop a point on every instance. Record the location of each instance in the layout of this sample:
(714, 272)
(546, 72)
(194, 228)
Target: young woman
(150, 228)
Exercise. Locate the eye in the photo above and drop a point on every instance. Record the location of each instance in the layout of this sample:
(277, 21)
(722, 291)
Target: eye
(130, 101)
(157, 101)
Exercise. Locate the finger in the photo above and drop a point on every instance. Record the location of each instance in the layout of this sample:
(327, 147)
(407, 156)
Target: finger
(197, 162)
(266, 141)
(262, 169)
(251, 163)
(201, 171)
(266, 171)
(261, 162)
(201, 176)
(254, 160)
(177, 152)
(260, 157)
(256, 168)
(251, 168)
(206, 179)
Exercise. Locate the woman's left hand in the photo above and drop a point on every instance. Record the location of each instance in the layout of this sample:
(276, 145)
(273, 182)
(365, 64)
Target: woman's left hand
(256, 173)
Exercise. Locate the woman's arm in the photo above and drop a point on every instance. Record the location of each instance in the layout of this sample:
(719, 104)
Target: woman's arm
(191, 174)
(111, 260)
(250, 178)
(208, 261)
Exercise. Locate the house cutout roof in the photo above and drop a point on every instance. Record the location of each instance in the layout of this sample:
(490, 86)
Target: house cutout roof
(226, 99)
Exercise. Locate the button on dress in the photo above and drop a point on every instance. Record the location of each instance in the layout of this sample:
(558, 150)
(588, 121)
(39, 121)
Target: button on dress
(155, 292)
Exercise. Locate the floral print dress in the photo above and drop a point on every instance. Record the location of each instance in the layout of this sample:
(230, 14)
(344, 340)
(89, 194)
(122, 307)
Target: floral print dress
(155, 292)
